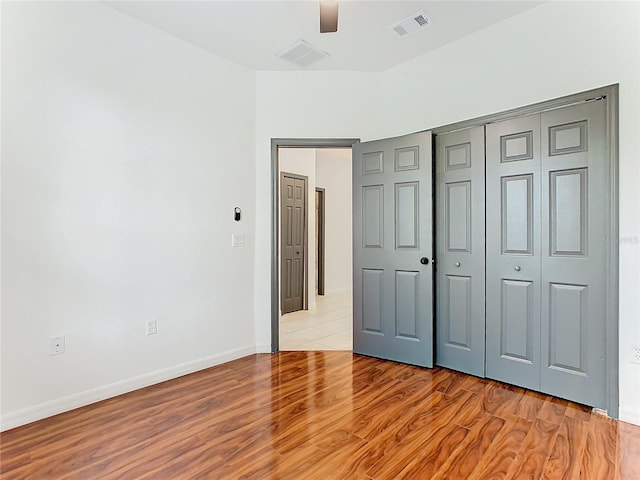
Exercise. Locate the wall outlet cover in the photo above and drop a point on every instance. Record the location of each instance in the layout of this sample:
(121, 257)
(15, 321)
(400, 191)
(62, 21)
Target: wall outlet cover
(635, 355)
(152, 327)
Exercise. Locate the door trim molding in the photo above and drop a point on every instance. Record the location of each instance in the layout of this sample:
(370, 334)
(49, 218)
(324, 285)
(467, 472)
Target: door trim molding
(320, 232)
(609, 94)
(612, 294)
(277, 143)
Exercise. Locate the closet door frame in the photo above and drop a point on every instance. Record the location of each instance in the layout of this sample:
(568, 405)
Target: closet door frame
(610, 95)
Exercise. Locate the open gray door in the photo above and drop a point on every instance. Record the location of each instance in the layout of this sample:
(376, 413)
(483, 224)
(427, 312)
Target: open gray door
(392, 249)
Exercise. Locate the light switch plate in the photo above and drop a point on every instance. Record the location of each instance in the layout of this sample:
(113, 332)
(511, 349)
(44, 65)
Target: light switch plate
(237, 240)
(56, 345)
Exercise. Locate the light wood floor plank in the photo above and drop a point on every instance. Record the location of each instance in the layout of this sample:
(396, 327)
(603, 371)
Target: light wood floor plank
(472, 449)
(499, 457)
(568, 446)
(628, 452)
(531, 460)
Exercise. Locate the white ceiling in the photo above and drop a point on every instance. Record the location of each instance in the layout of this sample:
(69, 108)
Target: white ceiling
(251, 33)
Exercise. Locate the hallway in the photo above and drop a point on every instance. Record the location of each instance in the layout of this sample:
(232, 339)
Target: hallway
(328, 327)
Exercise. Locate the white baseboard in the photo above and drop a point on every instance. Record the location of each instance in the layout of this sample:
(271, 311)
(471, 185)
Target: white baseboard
(629, 416)
(337, 291)
(64, 404)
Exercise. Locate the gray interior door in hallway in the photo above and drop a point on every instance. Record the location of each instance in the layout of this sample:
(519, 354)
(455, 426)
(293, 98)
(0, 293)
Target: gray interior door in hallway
(293, 241)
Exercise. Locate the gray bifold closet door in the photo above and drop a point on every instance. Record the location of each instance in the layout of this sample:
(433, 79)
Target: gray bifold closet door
(460, 244)
(546, 200)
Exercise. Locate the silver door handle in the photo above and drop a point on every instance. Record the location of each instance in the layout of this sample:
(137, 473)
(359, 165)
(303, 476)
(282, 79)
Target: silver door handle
(517, 268)
(457, 264)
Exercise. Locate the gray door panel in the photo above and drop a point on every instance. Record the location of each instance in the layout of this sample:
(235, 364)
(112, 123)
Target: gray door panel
(546, 252)
(513, 191)
(460, 251)
(293, 194)
(392, 231)
(574, 205)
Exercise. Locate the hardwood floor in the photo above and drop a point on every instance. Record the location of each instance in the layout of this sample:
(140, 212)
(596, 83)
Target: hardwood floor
(324, 415)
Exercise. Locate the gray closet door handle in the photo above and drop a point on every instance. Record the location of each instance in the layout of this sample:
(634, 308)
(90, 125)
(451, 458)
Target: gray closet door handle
(424, 261)
(517, 268)
(457, 264)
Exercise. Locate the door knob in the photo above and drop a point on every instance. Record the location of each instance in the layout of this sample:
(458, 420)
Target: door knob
(517, 268)
(424, 261)
(457, 264)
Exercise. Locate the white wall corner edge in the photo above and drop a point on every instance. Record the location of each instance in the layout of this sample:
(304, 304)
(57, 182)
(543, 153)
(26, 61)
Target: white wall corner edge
(629, 416)
(263, 348)
(82, 399)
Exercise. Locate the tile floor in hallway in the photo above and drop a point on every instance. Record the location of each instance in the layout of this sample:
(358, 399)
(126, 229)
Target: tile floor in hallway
(327, 327)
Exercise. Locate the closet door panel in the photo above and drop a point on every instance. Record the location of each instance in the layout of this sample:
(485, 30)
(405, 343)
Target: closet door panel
(574, 221)
(460, 314)
(513, 251)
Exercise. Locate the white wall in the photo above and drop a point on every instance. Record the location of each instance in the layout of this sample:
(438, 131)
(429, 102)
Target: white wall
(302, 161)
(550, 51)
(124, 152)
(333, 173)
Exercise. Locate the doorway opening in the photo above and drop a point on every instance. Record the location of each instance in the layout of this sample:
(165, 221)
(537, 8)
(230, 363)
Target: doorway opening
(323, 320)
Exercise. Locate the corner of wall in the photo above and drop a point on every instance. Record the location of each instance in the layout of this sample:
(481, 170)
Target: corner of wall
(630, 416)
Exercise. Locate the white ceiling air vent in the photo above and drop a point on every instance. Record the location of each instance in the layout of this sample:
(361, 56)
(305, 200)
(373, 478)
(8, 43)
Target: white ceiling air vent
(302, 54)
(410, 24)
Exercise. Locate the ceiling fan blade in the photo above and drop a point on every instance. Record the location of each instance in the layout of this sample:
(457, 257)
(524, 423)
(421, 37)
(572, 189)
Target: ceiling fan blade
(328, 17)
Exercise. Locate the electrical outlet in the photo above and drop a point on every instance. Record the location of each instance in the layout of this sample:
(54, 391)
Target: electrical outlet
(56, 345)
(635, 354)
(152, 327)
